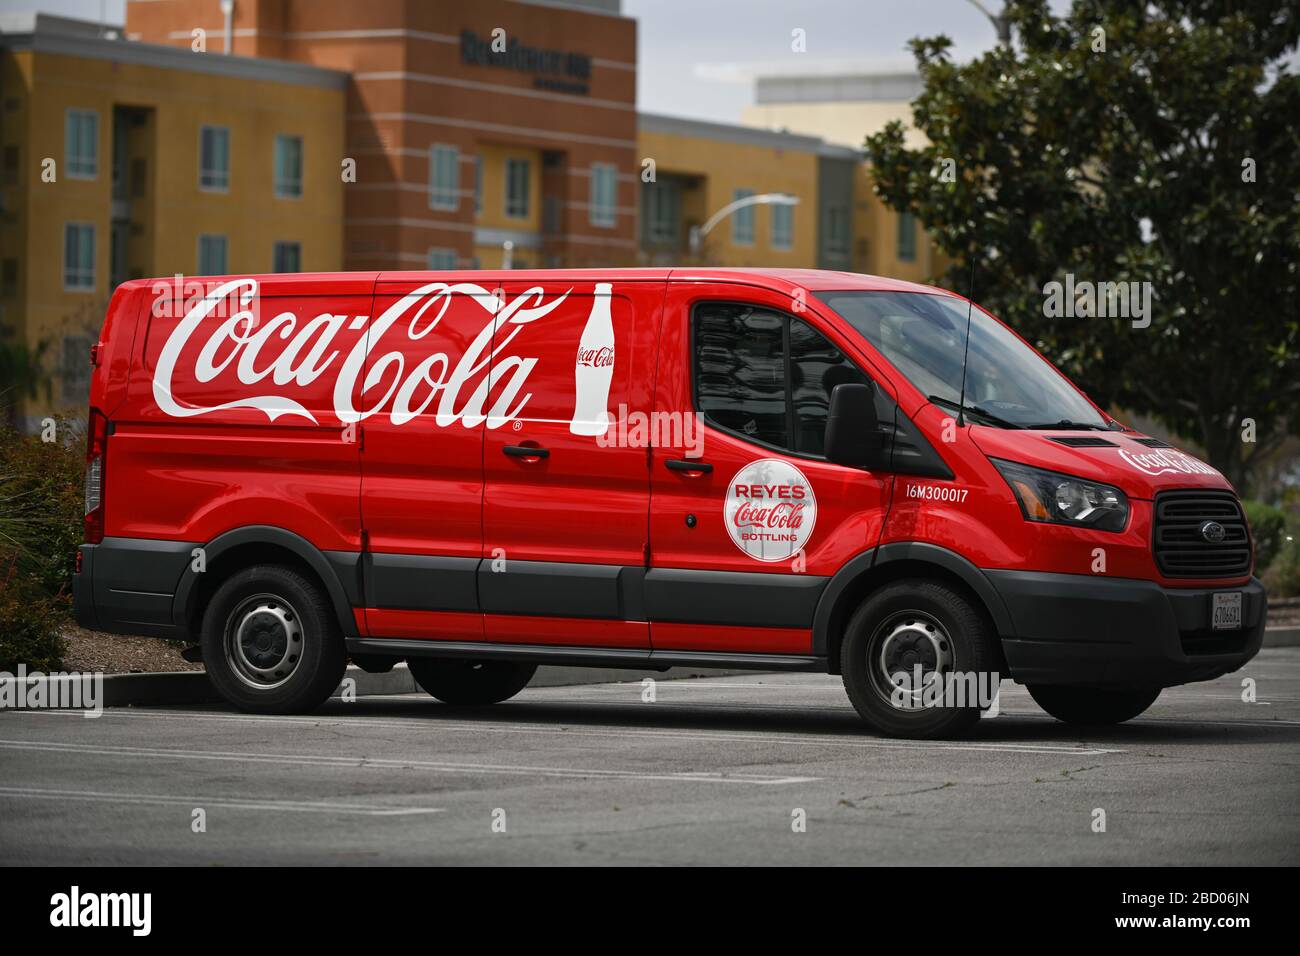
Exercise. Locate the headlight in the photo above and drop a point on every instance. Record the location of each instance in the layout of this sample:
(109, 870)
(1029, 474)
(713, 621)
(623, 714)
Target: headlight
(1060, 499)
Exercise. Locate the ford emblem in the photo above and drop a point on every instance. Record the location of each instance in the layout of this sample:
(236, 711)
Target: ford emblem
(1213, 532)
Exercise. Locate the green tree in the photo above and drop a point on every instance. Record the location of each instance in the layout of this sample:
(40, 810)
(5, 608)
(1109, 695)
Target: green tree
(1125, 141)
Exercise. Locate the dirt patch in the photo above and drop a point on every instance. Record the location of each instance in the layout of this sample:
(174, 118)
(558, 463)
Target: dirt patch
(119, 654)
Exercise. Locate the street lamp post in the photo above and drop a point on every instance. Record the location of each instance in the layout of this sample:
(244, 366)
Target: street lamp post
(762, 199)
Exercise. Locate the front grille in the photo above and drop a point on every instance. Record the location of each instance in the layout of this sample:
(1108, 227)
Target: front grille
(1181, 551)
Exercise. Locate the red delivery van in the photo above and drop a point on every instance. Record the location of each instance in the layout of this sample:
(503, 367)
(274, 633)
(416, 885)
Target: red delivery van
(481, 472)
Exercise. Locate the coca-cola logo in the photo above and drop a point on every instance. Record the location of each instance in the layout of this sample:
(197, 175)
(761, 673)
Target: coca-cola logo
(770, 510)
(222, 334)
(1165, 462)
(596, 358)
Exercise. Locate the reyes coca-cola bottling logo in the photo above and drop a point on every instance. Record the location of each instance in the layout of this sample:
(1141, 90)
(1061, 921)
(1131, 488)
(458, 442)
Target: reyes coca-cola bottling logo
(274, 359)
(770, 510)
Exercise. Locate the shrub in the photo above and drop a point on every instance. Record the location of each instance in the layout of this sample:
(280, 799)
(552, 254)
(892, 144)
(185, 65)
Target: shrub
(1268, 528)
(1283, 577)
(30, 626)
(40, 527)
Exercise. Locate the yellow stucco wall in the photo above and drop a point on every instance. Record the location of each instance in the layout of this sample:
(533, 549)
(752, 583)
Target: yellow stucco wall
(728, 166)
(174, 210)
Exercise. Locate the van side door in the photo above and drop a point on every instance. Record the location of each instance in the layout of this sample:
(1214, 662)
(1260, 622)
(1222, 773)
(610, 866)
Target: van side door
(566, 486)
(422, 456)
(748, 520)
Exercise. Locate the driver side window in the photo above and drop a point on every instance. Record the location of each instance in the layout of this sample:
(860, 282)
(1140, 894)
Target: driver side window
(766, 376)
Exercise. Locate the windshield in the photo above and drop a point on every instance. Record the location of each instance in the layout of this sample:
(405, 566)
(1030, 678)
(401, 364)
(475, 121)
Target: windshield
(923, 336)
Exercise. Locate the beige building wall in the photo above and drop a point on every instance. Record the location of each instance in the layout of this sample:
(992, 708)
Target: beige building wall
(720, 168)
(847, 122)
(161, 194)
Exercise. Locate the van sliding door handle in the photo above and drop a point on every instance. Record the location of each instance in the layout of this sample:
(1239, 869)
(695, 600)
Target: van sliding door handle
(523, 451)
(677, 464)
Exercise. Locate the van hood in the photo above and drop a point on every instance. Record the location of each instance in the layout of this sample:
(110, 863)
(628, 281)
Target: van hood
(1140, 466)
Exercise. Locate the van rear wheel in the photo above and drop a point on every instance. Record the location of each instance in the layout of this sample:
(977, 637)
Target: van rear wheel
(918, 660)
(271, 642)
(1093, 706)
(470, 682)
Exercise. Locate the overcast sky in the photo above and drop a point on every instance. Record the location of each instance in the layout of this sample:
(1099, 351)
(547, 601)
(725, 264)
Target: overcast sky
(698, 58)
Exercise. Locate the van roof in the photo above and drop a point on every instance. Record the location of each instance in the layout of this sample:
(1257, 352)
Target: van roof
(781, 280)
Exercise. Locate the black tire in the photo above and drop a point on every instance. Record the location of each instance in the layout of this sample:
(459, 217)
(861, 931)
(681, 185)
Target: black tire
(252, 626)
(1093, 706)
(470, 682)
(924, 618)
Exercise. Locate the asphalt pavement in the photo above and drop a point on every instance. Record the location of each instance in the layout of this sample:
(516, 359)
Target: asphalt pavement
(751, 769)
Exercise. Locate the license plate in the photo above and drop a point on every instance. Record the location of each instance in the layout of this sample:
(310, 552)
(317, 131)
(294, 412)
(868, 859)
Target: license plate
(1225, 612)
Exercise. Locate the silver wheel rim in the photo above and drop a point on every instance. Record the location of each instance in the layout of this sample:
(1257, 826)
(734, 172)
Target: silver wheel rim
(901, 644)
(264, 641)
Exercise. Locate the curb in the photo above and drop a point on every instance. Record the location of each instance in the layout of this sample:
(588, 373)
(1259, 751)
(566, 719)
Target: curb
(400, 681)
(192, 687)
(1281, 636)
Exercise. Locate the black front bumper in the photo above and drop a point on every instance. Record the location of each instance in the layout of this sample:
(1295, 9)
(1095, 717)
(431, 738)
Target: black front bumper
(1075, 629)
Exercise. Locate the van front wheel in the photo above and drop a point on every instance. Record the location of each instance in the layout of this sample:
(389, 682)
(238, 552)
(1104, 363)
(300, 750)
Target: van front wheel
(470, 682)
(271, 642)
(919, 660)
(1092, 706)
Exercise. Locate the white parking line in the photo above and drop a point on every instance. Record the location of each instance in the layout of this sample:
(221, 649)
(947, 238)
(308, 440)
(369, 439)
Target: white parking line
(385, 763)
(438, 725)
(207, 802)
(1190, 721)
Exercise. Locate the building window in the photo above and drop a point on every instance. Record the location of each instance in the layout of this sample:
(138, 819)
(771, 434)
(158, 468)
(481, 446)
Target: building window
(478, 184)
(444, 177)
(212, 255)
(287, 257)
(79, 256)
(837, 231)
(214, 158)
(81, 144)
(517, 183)
(438, 259)
(906, 237)
(661, 216)
(742, 220)
(288, 166)
(782, 226)
(603, 195)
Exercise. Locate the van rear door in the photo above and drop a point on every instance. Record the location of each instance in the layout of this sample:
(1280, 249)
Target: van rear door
(566, 492)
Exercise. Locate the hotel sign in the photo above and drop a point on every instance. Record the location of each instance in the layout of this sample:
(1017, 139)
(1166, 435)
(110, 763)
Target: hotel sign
(556, 70)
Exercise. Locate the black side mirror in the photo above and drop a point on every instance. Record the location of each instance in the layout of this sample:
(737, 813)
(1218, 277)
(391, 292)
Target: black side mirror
(853, 435)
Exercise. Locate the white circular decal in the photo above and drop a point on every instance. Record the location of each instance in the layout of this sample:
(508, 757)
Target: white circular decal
(770, 510)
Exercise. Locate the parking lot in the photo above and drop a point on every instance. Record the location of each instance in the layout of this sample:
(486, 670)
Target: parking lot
(716, 770)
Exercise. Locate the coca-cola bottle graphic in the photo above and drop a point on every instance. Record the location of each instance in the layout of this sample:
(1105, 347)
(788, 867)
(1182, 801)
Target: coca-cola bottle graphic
(594, 369)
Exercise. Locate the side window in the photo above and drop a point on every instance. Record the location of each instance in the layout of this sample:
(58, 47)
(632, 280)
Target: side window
(740, 370)
(766, 376)
(816, 367)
